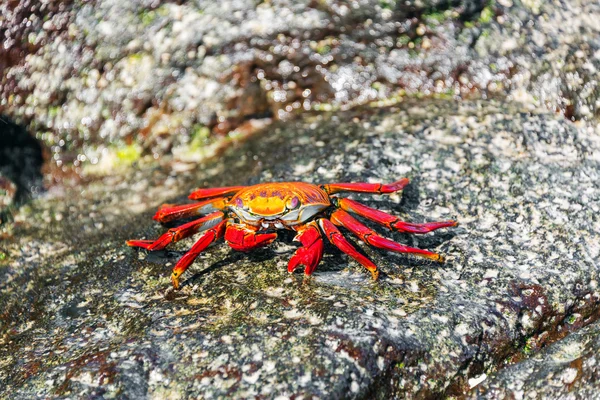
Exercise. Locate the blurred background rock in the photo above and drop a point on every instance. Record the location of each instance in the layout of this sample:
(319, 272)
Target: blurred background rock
(105, 83)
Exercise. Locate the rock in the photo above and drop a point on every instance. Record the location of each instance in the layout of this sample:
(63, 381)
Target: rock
(566, 369)
(87, 79)
(83, 315)
(8, 190)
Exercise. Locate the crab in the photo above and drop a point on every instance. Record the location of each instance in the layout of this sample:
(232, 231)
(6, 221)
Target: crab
(248, 217)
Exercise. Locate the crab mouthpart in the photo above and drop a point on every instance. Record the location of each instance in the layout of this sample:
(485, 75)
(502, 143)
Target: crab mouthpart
(272, 223)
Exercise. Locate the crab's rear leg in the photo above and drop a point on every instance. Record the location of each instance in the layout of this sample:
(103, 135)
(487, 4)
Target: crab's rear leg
(311, 252)
(338, 240)
(180, 232)
(244, 238)
(389, 221)
(171, 212)
(376, 188)
(367, 235)
(208, 237)
(201, 194)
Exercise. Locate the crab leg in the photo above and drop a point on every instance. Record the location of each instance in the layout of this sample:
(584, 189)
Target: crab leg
(180, 232)
(208, 237)
(171, 212)
(200, 194)
(389, 221)
(243, 238)
(377, 188)
(367, 235)
(338, 240)
(311, 252)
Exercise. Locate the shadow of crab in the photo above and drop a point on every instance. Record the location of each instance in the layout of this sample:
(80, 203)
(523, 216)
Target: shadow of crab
(253, 275)
(410, 195)
(269, 264)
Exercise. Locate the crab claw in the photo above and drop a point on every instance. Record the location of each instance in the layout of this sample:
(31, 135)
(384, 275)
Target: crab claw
(310, 253)
(241, 238)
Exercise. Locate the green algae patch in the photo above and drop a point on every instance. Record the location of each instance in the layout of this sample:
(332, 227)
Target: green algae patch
(129, 154)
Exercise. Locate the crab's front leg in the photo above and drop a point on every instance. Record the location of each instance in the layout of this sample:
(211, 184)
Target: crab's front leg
(244, 238)
(171, 212)
(208, 237)
(311, 252)
(180, 232)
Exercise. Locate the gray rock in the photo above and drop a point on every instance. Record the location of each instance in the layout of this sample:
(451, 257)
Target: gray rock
(89, 77)
(8, 190)
(85, 316)
(568, 369)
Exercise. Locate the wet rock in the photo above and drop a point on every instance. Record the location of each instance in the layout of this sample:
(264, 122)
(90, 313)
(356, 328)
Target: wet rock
(107, 74)
(8, 190)
(83, 315)
(554, 56)
(567, 369)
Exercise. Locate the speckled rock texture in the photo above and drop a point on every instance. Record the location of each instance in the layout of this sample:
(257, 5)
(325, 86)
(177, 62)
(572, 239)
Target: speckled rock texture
(83, 315)
(88, 77)
(569, 369)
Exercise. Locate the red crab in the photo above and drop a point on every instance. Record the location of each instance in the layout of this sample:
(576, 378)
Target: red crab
(249, 216)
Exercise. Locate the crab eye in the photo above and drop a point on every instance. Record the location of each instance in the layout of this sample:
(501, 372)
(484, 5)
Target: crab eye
(239, 203)
(294, 202)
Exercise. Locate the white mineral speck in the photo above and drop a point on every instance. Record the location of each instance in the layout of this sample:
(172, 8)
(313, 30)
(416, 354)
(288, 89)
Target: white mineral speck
(305, 379)
(253, 378)
(476, 380)
(155, 377)
(269, 366)
(491, 273)
(461, 329)
(226, 339)
(569, 375)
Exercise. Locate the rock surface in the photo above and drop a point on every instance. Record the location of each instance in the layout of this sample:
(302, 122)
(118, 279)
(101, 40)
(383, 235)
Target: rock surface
(569, 369)
(85, 316)
(92, 77)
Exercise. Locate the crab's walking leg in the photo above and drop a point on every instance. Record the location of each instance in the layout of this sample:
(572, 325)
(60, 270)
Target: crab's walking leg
(208, 237)
(338, 240)
(377, 188)
(243, 238)
(171, 212)
(181, 232)
(201, 194)
(311, 252)
(389, 221)
(367, 235)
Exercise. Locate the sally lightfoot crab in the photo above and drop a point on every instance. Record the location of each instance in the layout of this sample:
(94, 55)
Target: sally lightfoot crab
(250, 216)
